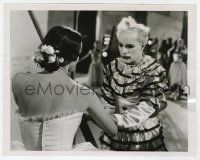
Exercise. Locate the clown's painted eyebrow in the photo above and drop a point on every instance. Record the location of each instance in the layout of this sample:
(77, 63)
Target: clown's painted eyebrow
(127, 45)
(130, 45)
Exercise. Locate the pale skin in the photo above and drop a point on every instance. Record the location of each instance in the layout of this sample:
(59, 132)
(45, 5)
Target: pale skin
(75, 98)
(130, 48)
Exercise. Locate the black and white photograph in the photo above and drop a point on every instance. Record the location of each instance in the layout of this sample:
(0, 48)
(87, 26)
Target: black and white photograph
(109, 80)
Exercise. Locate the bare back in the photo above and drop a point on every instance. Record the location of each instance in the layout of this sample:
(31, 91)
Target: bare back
(44, 93)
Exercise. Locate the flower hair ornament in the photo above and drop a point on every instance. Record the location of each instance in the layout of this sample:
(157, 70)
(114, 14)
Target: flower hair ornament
(49, 52)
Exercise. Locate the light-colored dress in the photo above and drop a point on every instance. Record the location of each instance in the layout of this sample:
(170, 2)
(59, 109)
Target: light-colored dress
(135, 96)
(178, 74)
(95, 74)
(50, 133)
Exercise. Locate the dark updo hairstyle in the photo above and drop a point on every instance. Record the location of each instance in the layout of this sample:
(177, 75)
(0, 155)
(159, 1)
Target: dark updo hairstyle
(66, 41)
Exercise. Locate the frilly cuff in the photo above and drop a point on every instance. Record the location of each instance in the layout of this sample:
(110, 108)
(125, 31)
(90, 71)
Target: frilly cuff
(119, 119)
(145, 111)
(125, 121)
(135, 116)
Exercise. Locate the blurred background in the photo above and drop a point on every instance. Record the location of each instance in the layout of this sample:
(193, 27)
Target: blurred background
(167, 43)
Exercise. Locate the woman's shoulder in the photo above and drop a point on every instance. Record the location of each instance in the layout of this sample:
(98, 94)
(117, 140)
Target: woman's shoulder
(85, 90)
(18, 80)
(21, 73)
(82, 89)
(20, 76)
(84, 93)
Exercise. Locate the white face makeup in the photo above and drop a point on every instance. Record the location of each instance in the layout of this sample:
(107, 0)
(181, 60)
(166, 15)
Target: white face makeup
(129, 47)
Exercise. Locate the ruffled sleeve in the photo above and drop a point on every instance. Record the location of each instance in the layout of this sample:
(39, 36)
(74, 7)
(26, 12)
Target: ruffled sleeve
(107, 91)
(154, 90)
(152, 99)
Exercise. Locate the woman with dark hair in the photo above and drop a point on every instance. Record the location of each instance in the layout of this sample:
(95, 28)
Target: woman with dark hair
(50, 103)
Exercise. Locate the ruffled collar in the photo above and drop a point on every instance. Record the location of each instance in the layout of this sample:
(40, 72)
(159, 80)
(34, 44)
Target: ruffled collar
(130, 70)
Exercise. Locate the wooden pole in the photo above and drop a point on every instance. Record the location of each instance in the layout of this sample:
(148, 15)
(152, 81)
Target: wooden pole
(36, 25)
